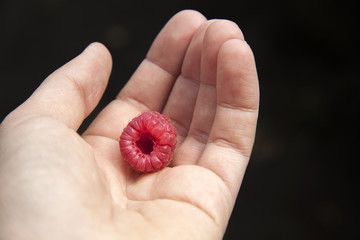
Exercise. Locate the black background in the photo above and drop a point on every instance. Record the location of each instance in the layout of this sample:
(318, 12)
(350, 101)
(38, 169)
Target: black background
(302, 178)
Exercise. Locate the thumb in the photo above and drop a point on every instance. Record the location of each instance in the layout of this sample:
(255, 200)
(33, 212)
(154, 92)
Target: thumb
(72, 92)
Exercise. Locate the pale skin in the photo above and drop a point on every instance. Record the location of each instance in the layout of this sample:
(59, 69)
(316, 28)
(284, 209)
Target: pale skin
(57, 184)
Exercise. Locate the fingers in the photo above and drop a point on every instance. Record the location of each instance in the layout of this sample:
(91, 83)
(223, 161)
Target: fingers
(232, 135)
(152, 82)
(73, 91)
(216, 34)
(150, 86)
(180, 105)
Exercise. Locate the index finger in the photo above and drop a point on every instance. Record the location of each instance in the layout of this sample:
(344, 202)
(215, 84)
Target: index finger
(150, 86)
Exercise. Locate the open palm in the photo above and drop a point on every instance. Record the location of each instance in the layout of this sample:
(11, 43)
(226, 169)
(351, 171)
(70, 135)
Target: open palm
(200, 74)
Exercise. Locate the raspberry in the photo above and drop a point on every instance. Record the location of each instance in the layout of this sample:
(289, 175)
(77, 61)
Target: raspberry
(148, 142)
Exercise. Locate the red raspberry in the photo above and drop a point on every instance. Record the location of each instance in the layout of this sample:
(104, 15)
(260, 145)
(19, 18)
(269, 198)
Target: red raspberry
(148, 142)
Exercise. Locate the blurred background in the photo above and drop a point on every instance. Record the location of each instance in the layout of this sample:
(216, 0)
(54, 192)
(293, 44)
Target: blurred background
(303, 175)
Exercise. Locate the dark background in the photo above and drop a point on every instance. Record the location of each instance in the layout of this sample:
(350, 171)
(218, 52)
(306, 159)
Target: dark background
(302, 178)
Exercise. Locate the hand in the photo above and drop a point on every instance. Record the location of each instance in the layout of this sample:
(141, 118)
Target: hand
(56, 184)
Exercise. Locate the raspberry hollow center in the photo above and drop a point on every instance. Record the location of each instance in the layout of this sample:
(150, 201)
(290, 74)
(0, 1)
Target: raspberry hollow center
(146, 143)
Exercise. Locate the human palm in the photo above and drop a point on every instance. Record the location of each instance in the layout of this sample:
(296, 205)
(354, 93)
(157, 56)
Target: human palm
(60, 185)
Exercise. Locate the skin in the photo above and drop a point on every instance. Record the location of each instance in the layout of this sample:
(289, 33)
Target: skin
(56, 184)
